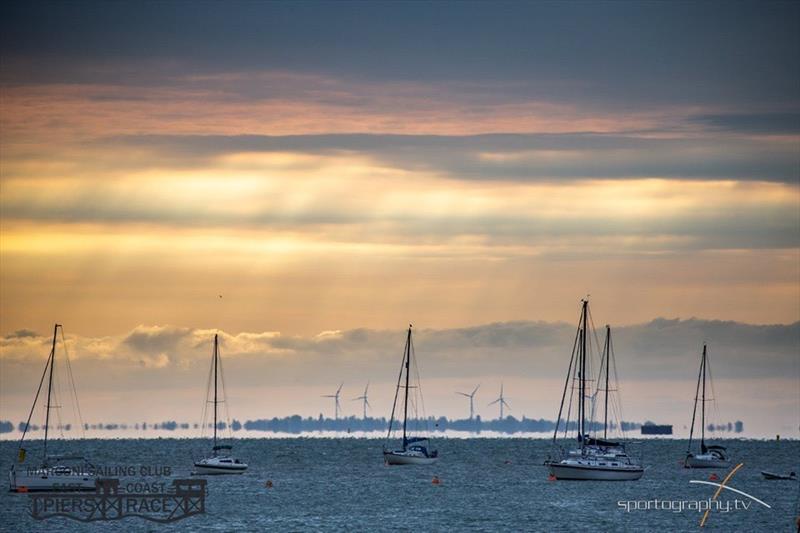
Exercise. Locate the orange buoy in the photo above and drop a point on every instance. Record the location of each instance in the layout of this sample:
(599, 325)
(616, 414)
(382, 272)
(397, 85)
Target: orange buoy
(436, 481)
(551, 477)
(713, 477)
(22, 489)
(268, 484)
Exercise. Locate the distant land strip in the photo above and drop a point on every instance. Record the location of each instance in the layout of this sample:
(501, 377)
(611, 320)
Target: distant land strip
(296, 424)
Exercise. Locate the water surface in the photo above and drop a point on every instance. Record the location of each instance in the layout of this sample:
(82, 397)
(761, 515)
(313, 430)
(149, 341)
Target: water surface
(486, 484)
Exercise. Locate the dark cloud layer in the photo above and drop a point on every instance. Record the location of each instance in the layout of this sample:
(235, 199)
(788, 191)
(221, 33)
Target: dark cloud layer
(756, 123)
(631, 54)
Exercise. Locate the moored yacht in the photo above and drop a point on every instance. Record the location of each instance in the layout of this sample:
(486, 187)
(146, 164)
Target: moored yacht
(594, 458)
(713, 456)
(598, 461)
(413, 450)
(56, 473)
(221, 461)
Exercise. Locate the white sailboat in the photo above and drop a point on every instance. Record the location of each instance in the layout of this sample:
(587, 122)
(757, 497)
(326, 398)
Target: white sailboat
(221, 461)
(709, 456)
(595, 458)
(414, 450)
(56, 473)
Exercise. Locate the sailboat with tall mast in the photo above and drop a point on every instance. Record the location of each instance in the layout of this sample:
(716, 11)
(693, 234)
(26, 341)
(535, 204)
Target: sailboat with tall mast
(709, 456)
(414, 449)
(62, 473)
(595, 458)
(221, 461)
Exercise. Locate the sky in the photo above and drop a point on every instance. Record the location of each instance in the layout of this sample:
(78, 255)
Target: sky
(297, 174)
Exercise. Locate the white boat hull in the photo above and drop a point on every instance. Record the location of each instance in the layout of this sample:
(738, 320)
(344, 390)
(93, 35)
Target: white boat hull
(400, 458)
(47, 481)
(693, 461)
(214, 466)
(563, 470)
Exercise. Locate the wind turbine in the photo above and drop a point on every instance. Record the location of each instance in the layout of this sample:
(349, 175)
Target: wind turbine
(336, 396)
(471, 397)
(364, 397)
(502, 401)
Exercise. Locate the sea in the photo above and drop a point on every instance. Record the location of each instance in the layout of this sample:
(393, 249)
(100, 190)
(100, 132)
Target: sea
(478, 484)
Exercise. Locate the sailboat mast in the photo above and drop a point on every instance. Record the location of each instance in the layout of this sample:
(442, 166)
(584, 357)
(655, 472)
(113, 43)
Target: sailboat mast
(703, 418)
(696, 396)
(216, 356)
(608, 361)
(49, 391)
(580, 383)
(405, 402)
(582, 425)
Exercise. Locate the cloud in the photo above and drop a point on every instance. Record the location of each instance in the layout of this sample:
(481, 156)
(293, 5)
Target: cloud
(660, 349)
(290, 211)
(156, 338)
(621, 54)
(22, 334)
(787, 123)
(514, 157)
(270, 374)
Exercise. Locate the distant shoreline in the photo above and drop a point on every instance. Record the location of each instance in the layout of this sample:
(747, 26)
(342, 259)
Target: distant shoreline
(10, 437)
(297, 425)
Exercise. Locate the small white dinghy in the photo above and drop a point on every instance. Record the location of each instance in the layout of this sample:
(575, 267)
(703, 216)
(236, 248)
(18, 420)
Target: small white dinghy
(414, 450)
(56, 473)
(709, 456)
(221, 461)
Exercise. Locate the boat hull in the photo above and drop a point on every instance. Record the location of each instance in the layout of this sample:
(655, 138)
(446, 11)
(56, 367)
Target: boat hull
(705, 462)
(578, 472)
(398, 458)
(218, 465)
(778, 477)
(45, 482)
(217, 470)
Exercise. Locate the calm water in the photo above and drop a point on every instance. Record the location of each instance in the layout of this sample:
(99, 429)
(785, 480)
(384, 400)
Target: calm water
(487, 484)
